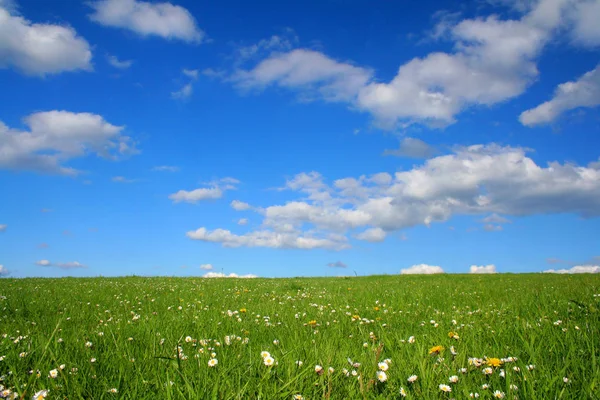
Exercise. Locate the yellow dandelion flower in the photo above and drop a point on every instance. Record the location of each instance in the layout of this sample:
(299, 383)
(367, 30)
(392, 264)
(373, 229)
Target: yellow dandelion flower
(494, 362)
(436, 349)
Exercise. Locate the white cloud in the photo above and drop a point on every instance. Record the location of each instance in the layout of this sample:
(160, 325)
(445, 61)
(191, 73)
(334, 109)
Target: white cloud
(242, 221)
(492, 60)
(586, 30)
(206, 267)
(267, 238)
(422, 269)
(184, 93)
(412, 148)
(482, 269)
(372, 235)
(148, 18)
(578, 269)
(240, 205)
(231, 275)
(68, 265)
(40, 49)
(495, 219)
(166, 168)
(309, 70)
(3, 227)
(337, 264)
(197, 195)
(3, 270)
(584, 92)
(476, 180)
(120, 64)
(190, 73)
(55, 137)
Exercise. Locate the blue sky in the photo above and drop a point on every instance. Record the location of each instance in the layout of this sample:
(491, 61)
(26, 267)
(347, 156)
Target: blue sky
(299, 138)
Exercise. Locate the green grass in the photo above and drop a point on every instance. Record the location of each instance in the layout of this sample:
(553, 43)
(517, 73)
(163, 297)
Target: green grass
(494, 316)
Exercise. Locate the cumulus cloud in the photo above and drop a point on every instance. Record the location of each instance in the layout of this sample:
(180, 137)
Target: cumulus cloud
(120, 64)
(242, 221)
(266, 238)
(206, 267)
(337, 264)
(412, 148)
(3, 270)
(213, 192)
(40, 49)
(475, 180)
(584, 92)
(239, 205)
(492, 60)
(372, 235)
(312, 71)
(231, 275)
(422, 269)
(483, 269)
(578, 269)
(148, 19)
(55, 137)
(3, 227)
(68, 265)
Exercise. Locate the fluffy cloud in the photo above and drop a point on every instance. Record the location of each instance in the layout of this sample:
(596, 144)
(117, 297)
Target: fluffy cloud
(422, 269)
(337, 264)
(267, 238)
(482, 269)
(197, 195)
(372, 235)
(242, 221)
(492, 60)
(206, 267)
(214, 191)
(147, 19)
(231, 275)
(239, 205)
(68, 265)
(3, 270)
(120, 64)
(578, 269)
(55, 137)
(3, 227)
(40, 49)
(477, 180)
(584, 92)
(412, 148)
(585, 16)
(309, 70)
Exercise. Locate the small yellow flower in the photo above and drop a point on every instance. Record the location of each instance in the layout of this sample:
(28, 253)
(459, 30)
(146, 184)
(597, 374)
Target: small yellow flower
(494, 362)
(312, 323)
(436, 349)
(243, 310)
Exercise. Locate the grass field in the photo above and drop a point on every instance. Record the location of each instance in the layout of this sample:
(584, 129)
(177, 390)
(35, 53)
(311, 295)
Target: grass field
(501, 336)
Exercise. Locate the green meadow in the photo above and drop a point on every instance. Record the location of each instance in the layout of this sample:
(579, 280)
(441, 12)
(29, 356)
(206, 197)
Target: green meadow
(529, 336)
